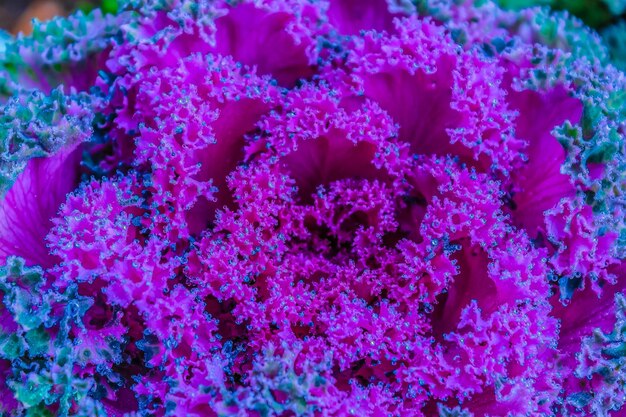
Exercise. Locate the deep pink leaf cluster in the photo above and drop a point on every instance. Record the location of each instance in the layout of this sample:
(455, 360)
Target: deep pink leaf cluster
(329, 209)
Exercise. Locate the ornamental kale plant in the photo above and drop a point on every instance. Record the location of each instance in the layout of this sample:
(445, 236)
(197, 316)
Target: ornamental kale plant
(312, 208)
